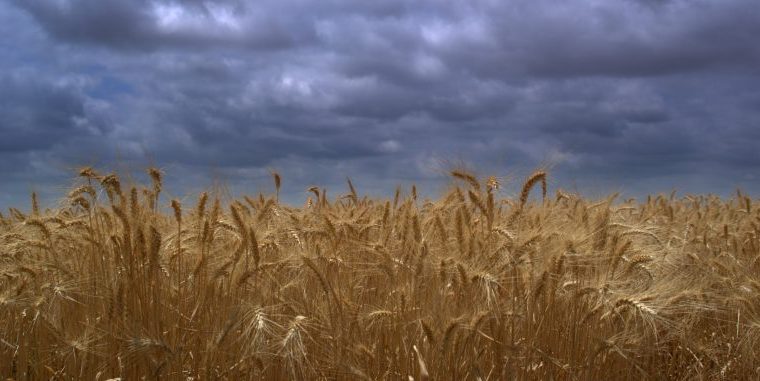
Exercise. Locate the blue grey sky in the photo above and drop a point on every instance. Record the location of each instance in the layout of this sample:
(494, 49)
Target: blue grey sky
(638, 96)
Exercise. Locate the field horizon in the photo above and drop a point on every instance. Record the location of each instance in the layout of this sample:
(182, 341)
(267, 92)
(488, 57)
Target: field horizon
(118, 282)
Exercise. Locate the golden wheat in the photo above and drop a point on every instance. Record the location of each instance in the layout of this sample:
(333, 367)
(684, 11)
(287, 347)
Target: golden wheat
(473, 285)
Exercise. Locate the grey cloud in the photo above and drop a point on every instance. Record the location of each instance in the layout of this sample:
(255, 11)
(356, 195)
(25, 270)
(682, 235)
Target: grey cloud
(503, 40)
(36, 114)
(609, 39)
(147, 24)
(110, 22)
(620, 92)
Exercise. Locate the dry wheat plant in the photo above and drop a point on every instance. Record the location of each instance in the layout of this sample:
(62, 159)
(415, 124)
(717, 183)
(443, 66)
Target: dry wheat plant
(118, 284)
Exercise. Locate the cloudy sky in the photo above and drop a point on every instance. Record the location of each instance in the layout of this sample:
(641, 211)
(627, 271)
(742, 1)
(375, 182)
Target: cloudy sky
(636, 96)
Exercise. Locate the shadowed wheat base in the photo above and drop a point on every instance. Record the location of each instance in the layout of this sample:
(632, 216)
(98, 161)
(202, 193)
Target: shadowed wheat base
(472, 286)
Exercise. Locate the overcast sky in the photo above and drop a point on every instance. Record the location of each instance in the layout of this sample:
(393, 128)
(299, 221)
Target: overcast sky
(618, 95)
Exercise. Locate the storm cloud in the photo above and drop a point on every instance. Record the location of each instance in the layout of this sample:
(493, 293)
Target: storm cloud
(638, 96)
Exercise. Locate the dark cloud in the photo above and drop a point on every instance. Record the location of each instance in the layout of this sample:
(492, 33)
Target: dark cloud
(35, 114)
(620, 39)
(145, 24)
(640, 94)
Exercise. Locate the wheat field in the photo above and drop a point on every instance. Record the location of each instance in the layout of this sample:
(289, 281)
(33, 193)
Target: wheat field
(121, 283)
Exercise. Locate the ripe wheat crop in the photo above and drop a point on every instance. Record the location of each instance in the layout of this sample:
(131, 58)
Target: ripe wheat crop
(120, 282)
